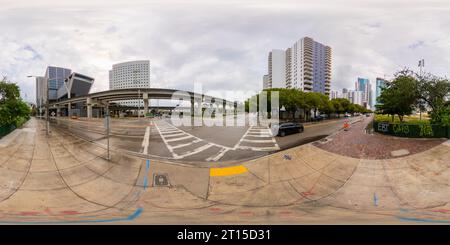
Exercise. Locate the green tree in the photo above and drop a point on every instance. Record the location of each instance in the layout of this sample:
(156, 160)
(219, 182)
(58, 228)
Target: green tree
(314, 101)
(400, 96)
(337, 105)
(433, 91)
(12, 109)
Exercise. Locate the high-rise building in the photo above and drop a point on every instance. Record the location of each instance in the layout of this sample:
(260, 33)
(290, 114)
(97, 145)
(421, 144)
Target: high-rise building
(363, 85)
(266, 82)
(41, 94)
(305, 66)
(57, 81)
(380, 84)
(355, 97)
(132, 74)
(55, 77)
(335, 94)
(277, 68)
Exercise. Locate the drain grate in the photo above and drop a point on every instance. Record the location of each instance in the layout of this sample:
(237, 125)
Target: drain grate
(160, 179)
(324, 140)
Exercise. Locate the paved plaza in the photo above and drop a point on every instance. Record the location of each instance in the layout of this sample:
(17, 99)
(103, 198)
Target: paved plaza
(66, 179)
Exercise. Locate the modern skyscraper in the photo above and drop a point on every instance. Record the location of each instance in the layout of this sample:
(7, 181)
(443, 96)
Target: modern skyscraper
(363, 85)
(305, 66)
(54, 80)
(380, 83)
(132, 74)
(55, 77)
(41, 94)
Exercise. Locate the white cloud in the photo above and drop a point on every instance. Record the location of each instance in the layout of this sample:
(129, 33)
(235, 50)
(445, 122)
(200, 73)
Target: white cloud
(223, 44)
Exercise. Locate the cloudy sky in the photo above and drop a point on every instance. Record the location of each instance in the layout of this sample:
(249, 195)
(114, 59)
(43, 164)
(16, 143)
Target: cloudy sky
(223, 44)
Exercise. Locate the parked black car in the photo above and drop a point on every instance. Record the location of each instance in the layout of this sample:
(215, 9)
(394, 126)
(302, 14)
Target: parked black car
(286, 128)
(317, 119)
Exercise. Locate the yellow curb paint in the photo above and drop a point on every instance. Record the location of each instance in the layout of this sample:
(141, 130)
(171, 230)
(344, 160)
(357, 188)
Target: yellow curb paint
(227, 171)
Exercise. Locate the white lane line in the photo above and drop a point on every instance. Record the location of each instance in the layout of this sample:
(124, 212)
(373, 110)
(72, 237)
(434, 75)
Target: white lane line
(258, 141)
(165, 142)
(174, 135)
(260, 133)
(240, 140)
(259, 148)
(260, 136)
(181, 138)
(169, 131)
(184, 145)
(196, 150)
(175, 130)
(218, 156)
(146, 141)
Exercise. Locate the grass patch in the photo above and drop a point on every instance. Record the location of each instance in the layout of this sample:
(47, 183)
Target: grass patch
(406, 119)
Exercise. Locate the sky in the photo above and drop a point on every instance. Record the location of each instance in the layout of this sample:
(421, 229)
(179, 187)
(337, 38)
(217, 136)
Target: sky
(222, 44)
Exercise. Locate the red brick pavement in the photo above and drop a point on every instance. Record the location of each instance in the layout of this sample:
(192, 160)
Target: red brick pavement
(356, 143)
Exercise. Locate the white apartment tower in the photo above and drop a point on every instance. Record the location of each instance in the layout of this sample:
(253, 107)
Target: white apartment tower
(277, 68)
(132, 74)
(305, 66)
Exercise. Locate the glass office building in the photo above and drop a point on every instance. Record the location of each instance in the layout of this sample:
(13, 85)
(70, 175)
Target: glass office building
(380, 84)
(55, 77)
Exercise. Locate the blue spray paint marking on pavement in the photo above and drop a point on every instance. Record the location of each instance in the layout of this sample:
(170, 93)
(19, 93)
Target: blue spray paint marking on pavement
(423, 220)
(147, 167)
(130, 217)
(287, 157)
(375, 199)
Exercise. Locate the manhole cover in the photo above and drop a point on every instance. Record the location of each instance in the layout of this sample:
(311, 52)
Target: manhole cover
(160, 179)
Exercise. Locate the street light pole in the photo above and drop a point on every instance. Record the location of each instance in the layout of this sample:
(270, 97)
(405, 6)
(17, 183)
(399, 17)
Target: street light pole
(69, 105)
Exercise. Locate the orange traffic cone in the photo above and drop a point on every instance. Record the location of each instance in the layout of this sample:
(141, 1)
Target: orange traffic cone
(346, 126)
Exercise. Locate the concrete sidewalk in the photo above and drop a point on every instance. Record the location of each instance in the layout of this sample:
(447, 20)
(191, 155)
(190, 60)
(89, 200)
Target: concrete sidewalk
(63, 179)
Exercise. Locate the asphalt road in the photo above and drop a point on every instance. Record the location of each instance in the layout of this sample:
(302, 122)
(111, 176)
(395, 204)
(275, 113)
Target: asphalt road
(195, 145)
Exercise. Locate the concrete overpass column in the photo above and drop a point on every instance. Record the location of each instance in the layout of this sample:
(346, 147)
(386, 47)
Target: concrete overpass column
(224, 107)
(58, 111)
(69, 109)
(146, 102)
(89, 107)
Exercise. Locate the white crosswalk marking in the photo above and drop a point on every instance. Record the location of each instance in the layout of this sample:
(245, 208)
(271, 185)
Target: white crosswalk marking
(171, 136)
(264, 135)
